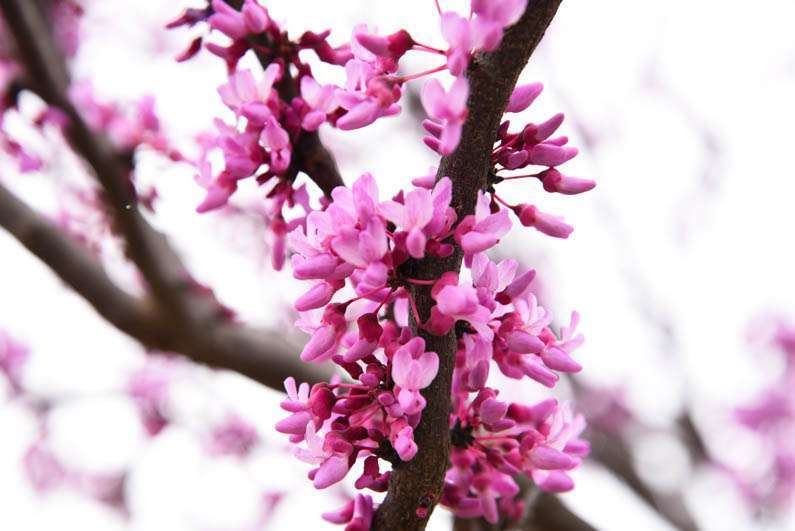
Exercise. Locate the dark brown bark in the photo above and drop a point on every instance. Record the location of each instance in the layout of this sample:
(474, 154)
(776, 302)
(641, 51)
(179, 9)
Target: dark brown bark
(309, 155)
(492, 77)
(259, 354)
(175, 315)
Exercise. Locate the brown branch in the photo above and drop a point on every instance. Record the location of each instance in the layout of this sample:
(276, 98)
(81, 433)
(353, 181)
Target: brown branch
(261, 355)
(614, 454)
(492, 77)
(74, 265)
(180, 318)
(309, 154)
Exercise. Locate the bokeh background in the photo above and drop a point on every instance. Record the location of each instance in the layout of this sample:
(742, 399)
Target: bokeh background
(683, 112)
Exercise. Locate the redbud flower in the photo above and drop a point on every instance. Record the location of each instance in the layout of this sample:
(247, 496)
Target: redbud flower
(554, 181)
(446, 109)
(413, 369)
(550, 225)
(523, 96)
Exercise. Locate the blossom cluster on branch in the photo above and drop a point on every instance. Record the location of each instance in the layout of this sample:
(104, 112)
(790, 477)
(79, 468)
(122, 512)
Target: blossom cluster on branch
(770, 417)
(354, 251)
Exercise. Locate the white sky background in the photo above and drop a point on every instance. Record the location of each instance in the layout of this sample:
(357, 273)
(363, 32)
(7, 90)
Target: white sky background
(688, 108)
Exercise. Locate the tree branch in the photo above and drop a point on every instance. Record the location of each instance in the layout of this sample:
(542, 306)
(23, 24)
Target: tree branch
(492, 77)
(178, 316)
(614, 454)
(309, 154)
(261, 355)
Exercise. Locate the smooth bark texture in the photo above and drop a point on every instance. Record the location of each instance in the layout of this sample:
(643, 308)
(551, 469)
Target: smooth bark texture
(416, 486)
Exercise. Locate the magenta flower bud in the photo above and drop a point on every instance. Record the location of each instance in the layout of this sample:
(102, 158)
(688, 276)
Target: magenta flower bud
(541, 374)
(522, 96)
(551, 155)
(376, 44)
(478, 376)
(502, 424)
(321, 400)
(532, 414)
(545, 129)
(361, 349)
(554, 181)
(318, 296)
(516, 159)
(317, 267)
(524, 343)
(319, 344)
(369, 379)
(386, 398)
(190, 17)
(331, 471)
(404, 444)
(369, 328)
(558, 141)
(578, 447)
(432, 127)
(503, 130)
(433, 143)
(492, 410)
(550, 225)
(399, 43)
(255, 16)
(295, 424)
(559, 360)
(189, 52)
(555, 481)
(519, 285)
(218, 195)
(341, 516)
(547, 458)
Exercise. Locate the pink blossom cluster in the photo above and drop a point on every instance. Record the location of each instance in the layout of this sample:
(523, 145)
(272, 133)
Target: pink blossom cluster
(355, 252)
(276, 108)
(535, 146)
(771, 417)
(354, 249)
(127, 126)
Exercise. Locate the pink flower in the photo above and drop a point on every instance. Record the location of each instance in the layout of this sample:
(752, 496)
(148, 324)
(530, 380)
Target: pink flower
(322, 101)
(554, 181)
(253, 18)
(447, 111)
(462, 303)
(245, 96)
(550, 225)
(553, 456)
(277, 144)
(492, 17)
(413, 369)
(357, 513)
(523, 96)
(368, 95)
(483, 230)
(331, 456)
(457, 32)
(423, 213)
